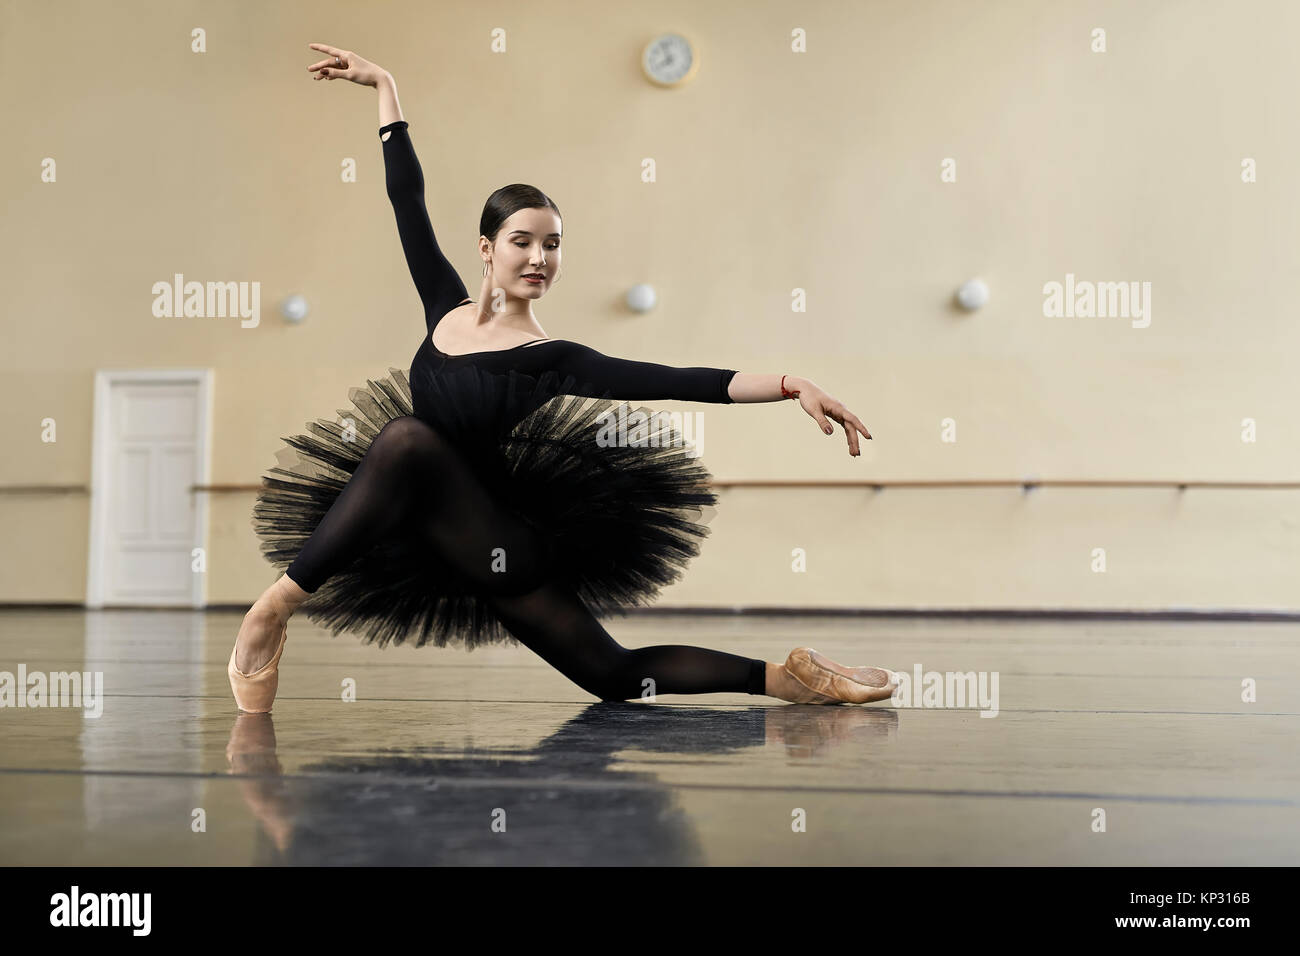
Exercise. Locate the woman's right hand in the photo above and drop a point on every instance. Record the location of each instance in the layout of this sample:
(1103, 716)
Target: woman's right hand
(355, 68)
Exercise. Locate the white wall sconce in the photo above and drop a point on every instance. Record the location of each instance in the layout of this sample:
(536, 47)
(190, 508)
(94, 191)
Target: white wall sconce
(973, 294)
(641, 297)
(294, 309)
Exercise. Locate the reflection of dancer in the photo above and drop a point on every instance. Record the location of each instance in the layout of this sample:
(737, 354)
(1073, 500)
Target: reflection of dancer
(434, 803)
(251, 755)
(476, 505)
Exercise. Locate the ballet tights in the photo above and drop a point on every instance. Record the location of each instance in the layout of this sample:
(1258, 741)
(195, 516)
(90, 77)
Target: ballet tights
(411, 473)
(410, 476)
(554, 623)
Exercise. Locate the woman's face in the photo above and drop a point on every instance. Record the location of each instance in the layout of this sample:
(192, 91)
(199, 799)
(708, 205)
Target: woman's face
(528, 243)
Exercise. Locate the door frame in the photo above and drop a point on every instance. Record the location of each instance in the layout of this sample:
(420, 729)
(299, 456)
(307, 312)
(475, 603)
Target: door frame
(105, 381)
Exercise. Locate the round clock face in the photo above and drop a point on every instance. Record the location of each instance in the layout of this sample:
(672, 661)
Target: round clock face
(668, 58)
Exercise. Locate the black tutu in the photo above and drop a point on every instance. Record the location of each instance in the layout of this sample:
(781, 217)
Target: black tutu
(623, 519)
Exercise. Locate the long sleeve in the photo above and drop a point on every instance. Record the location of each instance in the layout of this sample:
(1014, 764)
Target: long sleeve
(638, 381)
(440, 288)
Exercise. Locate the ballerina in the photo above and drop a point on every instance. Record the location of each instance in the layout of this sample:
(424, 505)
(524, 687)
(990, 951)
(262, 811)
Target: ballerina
(473, 504)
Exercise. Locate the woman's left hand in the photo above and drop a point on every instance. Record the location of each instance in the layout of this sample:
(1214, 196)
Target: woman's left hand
(822, 406)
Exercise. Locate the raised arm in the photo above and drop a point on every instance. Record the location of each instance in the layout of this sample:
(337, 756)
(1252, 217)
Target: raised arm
(440, 287)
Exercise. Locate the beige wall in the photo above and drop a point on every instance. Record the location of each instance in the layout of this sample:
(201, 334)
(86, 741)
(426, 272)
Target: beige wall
(776, 171)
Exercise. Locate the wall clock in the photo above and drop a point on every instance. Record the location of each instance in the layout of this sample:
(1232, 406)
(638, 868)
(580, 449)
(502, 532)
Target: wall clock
(669, 60)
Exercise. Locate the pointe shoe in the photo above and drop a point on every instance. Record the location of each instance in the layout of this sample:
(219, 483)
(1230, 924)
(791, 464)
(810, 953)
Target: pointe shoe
(794, 691)
(255, 692)
(853, 685)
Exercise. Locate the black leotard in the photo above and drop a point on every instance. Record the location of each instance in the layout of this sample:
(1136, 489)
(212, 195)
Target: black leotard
(441, 290)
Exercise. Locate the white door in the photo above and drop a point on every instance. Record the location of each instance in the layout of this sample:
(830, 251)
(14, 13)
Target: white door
(147, 521)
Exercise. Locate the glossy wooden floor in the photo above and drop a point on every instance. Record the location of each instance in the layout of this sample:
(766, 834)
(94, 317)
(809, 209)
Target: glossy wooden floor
(491, 757)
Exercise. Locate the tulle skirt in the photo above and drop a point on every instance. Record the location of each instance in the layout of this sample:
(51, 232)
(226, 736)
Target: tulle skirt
(623, 500)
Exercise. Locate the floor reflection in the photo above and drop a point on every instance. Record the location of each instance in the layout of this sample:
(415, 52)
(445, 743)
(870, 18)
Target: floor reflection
(563, 801)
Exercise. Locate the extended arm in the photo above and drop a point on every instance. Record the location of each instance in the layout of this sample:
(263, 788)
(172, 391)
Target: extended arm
(646, 381)
(440, 287)
(639, 381)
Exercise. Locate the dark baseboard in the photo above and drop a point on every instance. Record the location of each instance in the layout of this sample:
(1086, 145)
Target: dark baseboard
(1169, 614)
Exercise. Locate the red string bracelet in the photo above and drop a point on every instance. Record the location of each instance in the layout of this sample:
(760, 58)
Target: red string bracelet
(784, 393)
